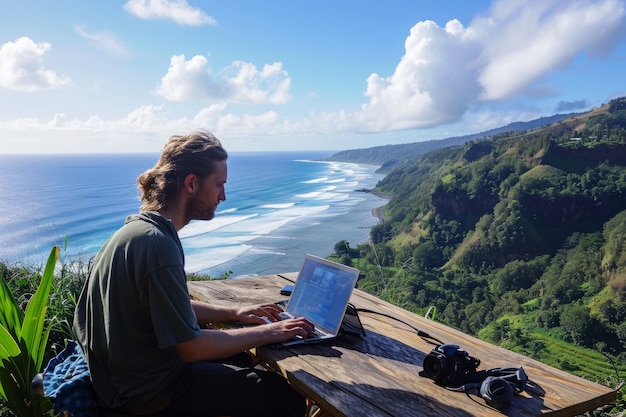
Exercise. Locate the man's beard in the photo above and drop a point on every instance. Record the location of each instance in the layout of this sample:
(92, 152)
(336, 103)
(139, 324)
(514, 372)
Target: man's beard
(197, 210)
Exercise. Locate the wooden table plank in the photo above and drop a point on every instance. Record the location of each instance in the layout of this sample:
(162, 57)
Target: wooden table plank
(565, 394)
(378, 375)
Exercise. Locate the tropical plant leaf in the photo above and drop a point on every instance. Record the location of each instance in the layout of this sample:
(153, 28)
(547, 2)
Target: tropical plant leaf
(35, 317)
(12, 316)
(8, 347)
(12, 391)
(23, 341)
(41, 341)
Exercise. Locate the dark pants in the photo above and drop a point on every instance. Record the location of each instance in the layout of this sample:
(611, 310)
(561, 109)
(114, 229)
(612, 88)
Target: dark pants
(218, 389)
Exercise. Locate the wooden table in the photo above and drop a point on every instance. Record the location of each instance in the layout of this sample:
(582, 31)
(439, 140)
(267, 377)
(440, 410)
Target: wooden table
(378, 375)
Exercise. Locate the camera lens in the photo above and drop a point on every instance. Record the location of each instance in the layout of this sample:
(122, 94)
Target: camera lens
(436, 367)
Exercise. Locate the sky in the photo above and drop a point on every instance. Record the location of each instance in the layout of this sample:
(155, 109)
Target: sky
(122, 76)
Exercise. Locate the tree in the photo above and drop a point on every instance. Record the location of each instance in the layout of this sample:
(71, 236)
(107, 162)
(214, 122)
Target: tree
(621, 333)
(342, 248)
(346, 260)
(427, 255)
(576, 322)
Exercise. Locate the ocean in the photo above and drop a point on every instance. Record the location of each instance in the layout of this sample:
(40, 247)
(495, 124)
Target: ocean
(279, 206)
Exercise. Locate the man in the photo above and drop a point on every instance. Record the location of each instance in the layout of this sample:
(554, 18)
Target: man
(139, 331)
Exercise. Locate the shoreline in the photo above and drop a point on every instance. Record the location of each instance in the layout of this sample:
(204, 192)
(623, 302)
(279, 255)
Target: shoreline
(378, 212)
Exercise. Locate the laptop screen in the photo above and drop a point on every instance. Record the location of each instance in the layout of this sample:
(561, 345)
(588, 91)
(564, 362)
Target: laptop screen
(322, 292)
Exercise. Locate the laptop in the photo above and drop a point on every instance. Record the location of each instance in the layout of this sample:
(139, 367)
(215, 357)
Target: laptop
(321, 294)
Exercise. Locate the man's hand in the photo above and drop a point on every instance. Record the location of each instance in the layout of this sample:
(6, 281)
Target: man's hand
(279, 330)
(254, 314)
(288, 329)
(212, 344)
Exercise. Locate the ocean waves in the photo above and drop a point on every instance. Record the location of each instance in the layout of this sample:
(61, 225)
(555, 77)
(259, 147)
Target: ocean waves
(311, 206)
(278, 207)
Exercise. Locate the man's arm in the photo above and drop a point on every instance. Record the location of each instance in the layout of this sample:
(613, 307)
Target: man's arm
(214, 344)
(207, 313)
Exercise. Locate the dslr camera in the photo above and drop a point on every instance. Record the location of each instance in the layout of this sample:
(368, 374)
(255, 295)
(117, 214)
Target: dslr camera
(449, 366)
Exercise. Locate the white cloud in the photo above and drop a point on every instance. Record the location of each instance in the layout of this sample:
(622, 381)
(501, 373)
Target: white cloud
(147, 119)
(142, 130)
(22, 69)
(248, 84)
(177, 10)
(445, 71)
(241, 82)
(524, 43)
(448, 74)
(433, 84)
(104, 41)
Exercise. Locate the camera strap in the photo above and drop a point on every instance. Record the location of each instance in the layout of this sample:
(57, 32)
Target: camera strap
(496, 386)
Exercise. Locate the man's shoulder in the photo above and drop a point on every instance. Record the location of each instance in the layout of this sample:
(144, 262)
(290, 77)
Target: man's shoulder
(144, 241)
(148, 223)
(146, 230)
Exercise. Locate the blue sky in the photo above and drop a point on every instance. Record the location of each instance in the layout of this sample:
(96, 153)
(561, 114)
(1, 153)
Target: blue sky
(122, 76)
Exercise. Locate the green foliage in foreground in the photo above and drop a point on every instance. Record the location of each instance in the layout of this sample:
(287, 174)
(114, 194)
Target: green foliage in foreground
(23, 344)
(20, 288)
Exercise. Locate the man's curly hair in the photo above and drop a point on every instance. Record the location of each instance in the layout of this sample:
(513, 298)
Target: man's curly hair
(195, 153)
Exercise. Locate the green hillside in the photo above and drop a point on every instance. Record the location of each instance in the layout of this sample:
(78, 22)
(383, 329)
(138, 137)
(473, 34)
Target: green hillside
(519, 238)
(390, 157)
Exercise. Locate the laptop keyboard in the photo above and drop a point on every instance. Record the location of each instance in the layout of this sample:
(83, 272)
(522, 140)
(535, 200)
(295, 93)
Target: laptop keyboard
(316, 332)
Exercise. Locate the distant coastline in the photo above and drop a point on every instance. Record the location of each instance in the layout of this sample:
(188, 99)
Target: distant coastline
(378, 212)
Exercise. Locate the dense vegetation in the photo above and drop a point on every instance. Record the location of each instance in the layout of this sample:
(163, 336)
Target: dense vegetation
(518, 238)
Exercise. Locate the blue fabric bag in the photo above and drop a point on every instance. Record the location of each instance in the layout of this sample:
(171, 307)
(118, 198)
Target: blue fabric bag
(66, 381)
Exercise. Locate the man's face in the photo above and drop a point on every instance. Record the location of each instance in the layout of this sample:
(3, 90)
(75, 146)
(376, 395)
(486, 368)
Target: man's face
(211, 191)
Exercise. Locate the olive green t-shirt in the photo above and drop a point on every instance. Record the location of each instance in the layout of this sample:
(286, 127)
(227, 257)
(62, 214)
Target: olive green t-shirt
(133, 310)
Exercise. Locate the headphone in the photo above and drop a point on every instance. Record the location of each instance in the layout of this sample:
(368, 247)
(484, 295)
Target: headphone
(496, 386)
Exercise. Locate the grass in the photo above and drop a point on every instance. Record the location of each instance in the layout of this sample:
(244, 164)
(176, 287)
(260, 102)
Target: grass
(586, 363)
